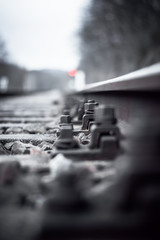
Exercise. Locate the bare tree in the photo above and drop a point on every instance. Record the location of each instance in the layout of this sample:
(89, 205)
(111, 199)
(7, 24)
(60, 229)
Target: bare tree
(3, 51)
(119, 36)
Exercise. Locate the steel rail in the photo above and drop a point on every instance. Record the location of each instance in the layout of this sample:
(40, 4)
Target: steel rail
(135, 96)
(144, 79)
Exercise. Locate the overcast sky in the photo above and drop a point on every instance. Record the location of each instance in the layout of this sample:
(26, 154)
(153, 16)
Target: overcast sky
(41, 33)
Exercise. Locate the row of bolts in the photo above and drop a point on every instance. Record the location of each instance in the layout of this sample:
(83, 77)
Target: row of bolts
(88, 113)
(102, 114)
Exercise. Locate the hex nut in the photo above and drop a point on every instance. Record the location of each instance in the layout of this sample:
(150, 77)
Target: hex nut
(89, 106)
(91, 101)
(66, 133)
(105, 114)
(66, 112)
(65, 119)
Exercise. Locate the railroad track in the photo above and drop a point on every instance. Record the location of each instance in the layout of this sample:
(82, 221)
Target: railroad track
(85, 166)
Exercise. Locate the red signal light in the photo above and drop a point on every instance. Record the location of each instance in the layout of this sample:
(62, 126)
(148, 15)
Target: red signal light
(72, 73)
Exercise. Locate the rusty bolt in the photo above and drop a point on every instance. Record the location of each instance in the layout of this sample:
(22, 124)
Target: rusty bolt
(104, 115)
(65, 119)
(91, 101)
(66, 112)
(90, 106)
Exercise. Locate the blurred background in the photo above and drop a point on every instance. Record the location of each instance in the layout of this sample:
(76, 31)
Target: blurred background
(48, 44)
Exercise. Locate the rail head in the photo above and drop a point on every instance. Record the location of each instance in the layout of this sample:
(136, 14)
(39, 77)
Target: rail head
(146, 79)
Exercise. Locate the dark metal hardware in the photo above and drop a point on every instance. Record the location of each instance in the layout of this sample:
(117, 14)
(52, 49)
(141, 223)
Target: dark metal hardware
(66, 139)
(89, 114)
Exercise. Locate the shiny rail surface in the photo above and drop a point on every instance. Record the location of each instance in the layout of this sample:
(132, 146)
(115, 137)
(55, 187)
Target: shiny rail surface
(145, 79)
